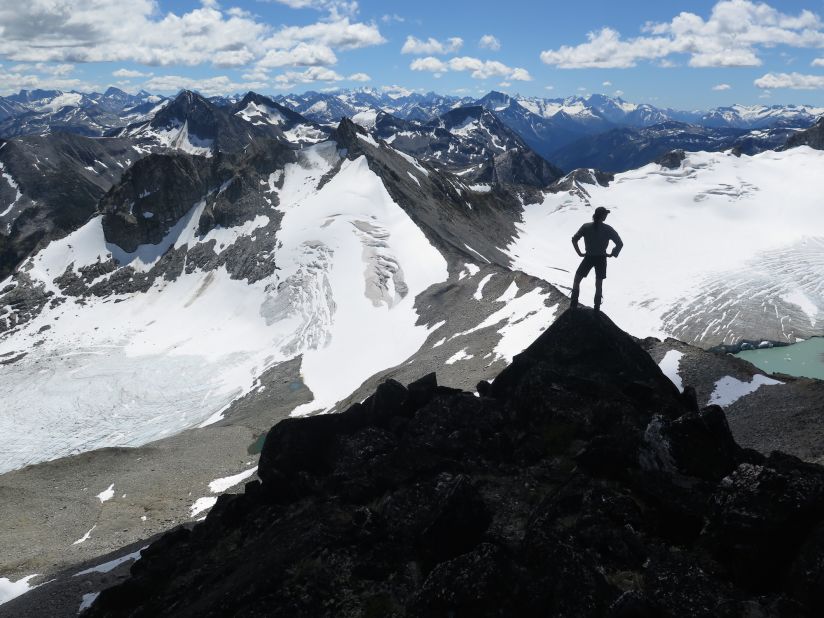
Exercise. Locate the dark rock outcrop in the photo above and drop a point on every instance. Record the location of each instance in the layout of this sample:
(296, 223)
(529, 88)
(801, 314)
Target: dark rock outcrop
(580, 484)
(211, 124)
(152, 196)
(157, 191)
(279, 115)
(59, 179)
(577, 180)
(812, 137)
(516, 167)
(672, 160)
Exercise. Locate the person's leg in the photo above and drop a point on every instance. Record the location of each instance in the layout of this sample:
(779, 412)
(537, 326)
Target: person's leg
(598, 287)
(580, 273)
(600, 275)
(576, 288)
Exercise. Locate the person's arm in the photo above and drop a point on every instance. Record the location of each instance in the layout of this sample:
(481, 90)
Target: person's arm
(575, 240)
(619, 244)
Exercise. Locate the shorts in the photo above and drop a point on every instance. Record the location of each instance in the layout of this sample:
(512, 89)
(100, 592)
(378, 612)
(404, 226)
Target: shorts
(598, 262)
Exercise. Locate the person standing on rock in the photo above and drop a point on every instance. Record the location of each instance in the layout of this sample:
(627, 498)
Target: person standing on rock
(596, 237)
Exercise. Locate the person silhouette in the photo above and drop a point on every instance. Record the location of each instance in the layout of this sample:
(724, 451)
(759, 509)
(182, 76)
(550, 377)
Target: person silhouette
(596, 237)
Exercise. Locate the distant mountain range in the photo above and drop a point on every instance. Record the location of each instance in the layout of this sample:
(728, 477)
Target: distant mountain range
(494, 140)
(547, 125)
(43, 111)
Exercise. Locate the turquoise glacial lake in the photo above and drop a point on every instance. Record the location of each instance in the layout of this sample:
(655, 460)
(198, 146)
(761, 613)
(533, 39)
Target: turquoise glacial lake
(805, 359)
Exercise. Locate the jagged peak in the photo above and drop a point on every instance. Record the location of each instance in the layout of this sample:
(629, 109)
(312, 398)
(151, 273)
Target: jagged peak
(585, 345)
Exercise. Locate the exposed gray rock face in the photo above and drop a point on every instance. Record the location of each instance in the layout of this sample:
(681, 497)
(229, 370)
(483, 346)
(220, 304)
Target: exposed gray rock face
(50, 185)
(20, 301)
(231, 186)
(576, 182)
(516, 167)
(152, 197)
(210, 123)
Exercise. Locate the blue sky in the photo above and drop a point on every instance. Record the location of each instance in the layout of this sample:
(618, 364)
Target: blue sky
(712, 53)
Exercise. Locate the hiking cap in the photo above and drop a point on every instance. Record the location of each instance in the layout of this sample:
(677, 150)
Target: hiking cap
(601, 211)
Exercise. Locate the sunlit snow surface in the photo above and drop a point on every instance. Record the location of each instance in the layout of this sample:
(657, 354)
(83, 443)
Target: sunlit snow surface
(113, 374)
(728, 389)
(670, 365)
(10, 590)
(719, 247)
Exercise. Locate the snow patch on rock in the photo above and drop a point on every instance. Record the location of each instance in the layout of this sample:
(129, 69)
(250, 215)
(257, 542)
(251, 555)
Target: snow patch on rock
(728, 389)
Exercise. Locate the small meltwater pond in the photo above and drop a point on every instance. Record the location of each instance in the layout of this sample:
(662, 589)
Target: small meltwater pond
(804, 359)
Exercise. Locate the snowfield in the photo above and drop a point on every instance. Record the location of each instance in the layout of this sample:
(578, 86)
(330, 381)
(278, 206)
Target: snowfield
(721, 248)
(125, 373)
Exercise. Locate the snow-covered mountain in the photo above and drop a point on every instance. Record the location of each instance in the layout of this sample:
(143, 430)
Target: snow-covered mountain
(329, 107)
(51, 183)
(201, 273)
(472, 143)
(575, 128)
(571, 126)
(263, 111)
(193, 124)
(761, 116)
(92, 114)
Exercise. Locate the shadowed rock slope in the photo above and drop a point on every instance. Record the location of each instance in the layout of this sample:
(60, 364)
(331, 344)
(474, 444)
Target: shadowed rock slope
(812, 137)
(580, 483)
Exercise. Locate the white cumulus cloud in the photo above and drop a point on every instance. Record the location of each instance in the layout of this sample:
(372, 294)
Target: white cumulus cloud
(301, 55)
(128, 73)
(340, 33)
(482, 69)
(478, 69)
(430, 63)
(210, 86)
(70, 31)
(431, 46)
(721, 87)
(731, 36)
(335, 7)
(490, 42)
(792, 81)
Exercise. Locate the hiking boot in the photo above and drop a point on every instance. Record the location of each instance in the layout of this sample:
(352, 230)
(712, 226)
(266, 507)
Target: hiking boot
(597, 305)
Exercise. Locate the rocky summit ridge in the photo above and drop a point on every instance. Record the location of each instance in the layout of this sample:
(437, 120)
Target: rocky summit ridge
(579, 483)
